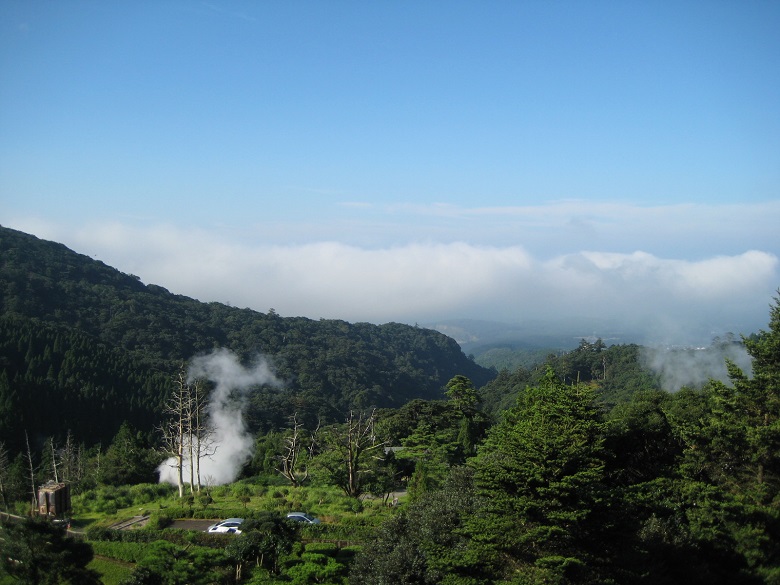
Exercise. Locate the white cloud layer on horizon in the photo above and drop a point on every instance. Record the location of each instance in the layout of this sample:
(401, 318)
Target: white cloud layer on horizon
(426, 282)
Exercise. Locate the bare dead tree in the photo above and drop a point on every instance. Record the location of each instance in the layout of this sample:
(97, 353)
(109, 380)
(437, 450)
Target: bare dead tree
(69, 460)
(4, 475)
(191, 407)
(54, 460)
(202, 444)
(187, 436)
(32, 474)
(175, 429)
(355, 444)
(96, 469)
(296, 447)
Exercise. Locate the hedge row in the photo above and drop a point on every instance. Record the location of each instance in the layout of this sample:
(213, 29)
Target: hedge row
(147, 535)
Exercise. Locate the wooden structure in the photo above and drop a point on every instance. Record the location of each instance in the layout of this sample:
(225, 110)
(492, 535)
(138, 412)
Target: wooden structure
(54, 499)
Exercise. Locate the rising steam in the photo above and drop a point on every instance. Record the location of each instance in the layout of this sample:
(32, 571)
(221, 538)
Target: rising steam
(232, 381)
(693, 367)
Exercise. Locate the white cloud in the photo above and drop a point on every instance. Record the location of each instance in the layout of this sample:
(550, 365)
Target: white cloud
(429, 281)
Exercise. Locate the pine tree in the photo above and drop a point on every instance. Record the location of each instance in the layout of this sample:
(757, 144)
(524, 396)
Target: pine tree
(741, 438)
(539, 474)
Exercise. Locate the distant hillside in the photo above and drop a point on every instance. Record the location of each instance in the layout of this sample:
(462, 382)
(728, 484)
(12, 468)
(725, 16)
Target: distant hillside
(76, 332)
(500, 345)
(477, 336)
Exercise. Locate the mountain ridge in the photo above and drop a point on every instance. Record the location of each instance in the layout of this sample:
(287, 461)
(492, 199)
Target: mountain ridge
(329, 366)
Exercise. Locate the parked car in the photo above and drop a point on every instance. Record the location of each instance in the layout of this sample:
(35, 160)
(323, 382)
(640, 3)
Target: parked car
(229, 526)
(302, 517)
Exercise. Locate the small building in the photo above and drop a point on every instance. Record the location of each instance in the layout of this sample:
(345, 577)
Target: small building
(54, 499)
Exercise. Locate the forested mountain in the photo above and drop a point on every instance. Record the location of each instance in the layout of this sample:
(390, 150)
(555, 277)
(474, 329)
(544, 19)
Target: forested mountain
(85, 346)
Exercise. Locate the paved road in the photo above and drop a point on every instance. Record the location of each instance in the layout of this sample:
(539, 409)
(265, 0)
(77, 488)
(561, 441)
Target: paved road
(200, 525)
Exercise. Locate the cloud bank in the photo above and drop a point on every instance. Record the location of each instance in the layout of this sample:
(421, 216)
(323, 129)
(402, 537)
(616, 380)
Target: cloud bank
(670, 298)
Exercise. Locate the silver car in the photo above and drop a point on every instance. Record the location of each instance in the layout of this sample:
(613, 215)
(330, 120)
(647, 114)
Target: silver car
(229, 526)
(302, 517)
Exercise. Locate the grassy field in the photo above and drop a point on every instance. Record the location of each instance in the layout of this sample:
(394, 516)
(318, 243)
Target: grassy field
(112, 572)
(108, 506)
(345, 522)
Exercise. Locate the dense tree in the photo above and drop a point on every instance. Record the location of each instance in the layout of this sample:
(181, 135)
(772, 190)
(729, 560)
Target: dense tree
(265, 458)
(540, 473)
(742, 437)
(129, 459)
(501, 393)
(461, 391)
(463, 394)
(725, 499)
(55, 380)
(37, 551)
(262, 542)
(641, 440)
(165, 563)
(425, 543)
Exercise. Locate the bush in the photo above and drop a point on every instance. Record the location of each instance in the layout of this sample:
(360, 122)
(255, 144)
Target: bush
(159, 521)
(112, 572)
(144, 493)
(324, 548)
(241, 489)
(349, 529)
(316, 568)
(347, 554)
(129, 552)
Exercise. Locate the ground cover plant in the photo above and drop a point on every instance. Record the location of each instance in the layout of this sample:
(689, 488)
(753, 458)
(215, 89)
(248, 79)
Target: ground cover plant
(318, 553)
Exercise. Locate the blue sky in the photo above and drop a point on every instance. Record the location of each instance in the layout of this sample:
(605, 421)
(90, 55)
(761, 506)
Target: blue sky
(353, 159)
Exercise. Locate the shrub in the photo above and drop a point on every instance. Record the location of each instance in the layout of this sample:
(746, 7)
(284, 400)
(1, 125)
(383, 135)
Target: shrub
(111, 572)
(316, 568)
(129, 552)
(241, 489)
(347, 554)
(159, 521)
(324, 548)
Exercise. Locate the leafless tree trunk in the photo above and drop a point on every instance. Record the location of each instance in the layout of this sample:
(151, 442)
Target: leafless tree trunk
(187, 438)
(96, 469)
(32, 474)
(175, 430)
(295, 444)
(54, 460)
(69, 456)
(3, 475)
(203, 434)
(190, 415)
(355, 442)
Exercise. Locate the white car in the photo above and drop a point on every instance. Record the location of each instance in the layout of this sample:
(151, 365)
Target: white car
(302, 517)
(229, 526)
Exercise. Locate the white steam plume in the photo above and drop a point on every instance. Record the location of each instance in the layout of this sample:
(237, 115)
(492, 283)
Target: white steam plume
(233, 443)
(694, 367)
